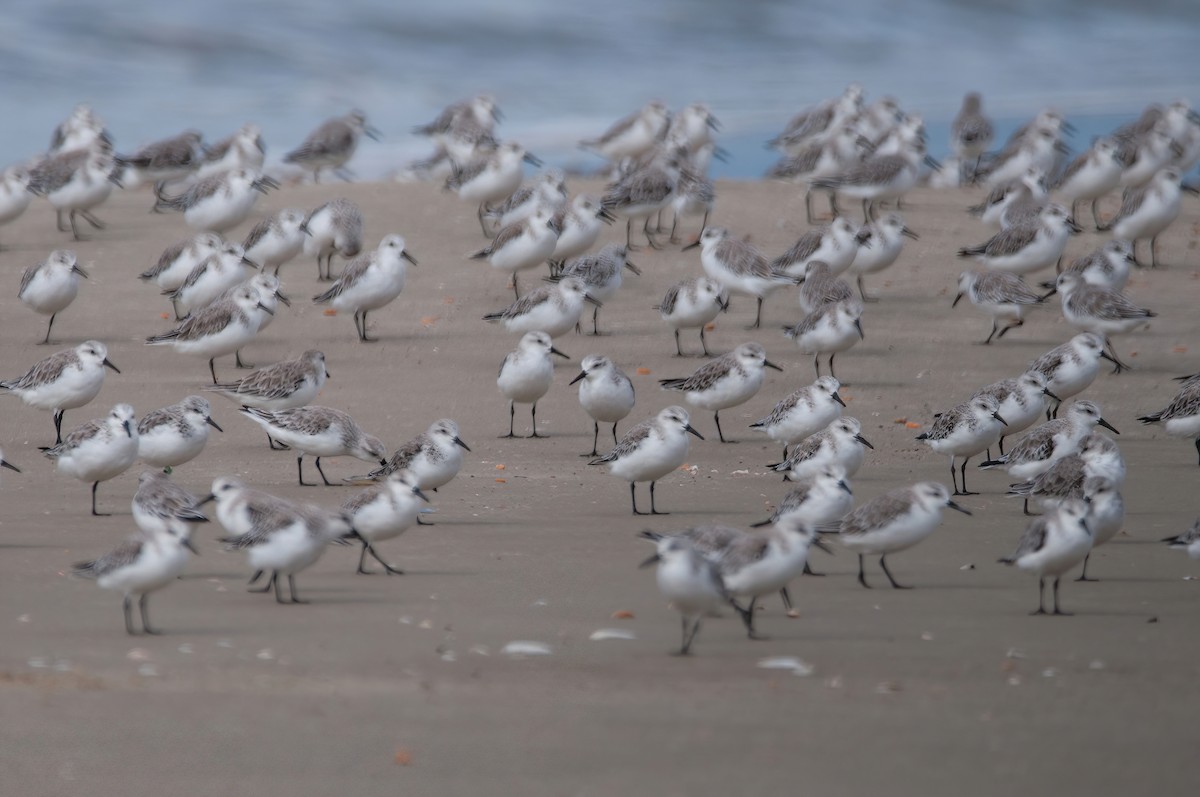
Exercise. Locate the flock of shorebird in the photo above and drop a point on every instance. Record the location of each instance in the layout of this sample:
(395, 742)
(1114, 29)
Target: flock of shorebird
(225, 293)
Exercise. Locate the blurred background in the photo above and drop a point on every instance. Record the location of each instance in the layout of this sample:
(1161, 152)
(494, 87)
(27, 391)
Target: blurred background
(564, 71)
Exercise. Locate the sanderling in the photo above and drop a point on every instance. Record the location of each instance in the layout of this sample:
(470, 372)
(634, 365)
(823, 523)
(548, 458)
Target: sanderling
(803, 412)
(831, 329)
(1106, 267)
(274, 241)
(159, 502)
(738, 267)
(277, 535)
(971, 131)
(649, 451)
(1036, 451)
(1105, 311)
(383, 511)
(1035, 148)
(816, 160)
(526, 374)
(168, 159)
(176, 434)
(549, 189)
(691, 304)
(579, 225)
(370, 281)
(642, 193)
(1003, 296)
(480, 109)
(816, 121)
(1090, 176)
(894, 521)
(99, 449)
(1072, 366)
(63, 381)
(553, 309)
(694, 125)
(694, 195)
(522, 245)
(51, 285)
(332, 144)
(320, 432)
(178, 260)
(15, 195)
(81, 130)
(879, 177)
(840, 444)
(1029, 247)
(605, 393)
(74, 182)
(216, 274)
(821, 287)
(1147, 211)
(219, 202)
(1021, 401)
(1099, 457)
(143, 564)
(964, 431)
(1051, 545)
(834, 244)
(1151, 151)
(333, 228)
(1187, 541)
(266, 286)
(879, 245)
(688, 580)
(491, 177)
(434, 457)
(215, 330)
(725, 381)
(633, 135)
(1181, 417)
(1106, 514)
(244, 149)
(280, 386)
(821, 499)
(601, 274)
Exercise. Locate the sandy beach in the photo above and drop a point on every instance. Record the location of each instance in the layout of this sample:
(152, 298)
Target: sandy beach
(398, 685)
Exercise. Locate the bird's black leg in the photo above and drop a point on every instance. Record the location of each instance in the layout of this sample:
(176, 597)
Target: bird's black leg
(127, 605)
(512, 414)
(49, 327)
(94, 512)
(757, 315)
(270, 582)
(678, 348)
(862, 576)
(327, 482)
(387, 568)
(888, 573)
(533, 420)
(654, 511)
(717, 420)
(633, 497)
(786, 598)
(1056, 609)
(964, 478)
(145, 617)
(1083, 576)
(1041, 609)
(703, 343)
(300, 471)
(58, 416)
(292, 588)
(362, 556)
(212, 369)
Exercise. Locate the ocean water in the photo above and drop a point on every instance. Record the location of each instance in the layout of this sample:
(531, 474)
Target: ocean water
(563, 71)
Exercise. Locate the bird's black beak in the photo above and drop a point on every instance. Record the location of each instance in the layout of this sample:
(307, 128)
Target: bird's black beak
(1105, 356)
(692, 245)
(417, 492)
(108, 364)
(908, 233)
(769, 364)
(213, 424)
(689, 428)
(372, 133)
(6, 464)
(863, 440)
(458, 442)
(1047, 392)
(279, 295)
(633, 267)
(206, 499)
(265, 309)
(1072, 226)
(996, 415)
(863, 238)
(532, 159)
(837, 398)
(408, 257)
(559, 353)
(721, 154)
(587, 297)
(953, 505)
(957, 299)
(128, 428)
(582, 375)
(820, 543)
(1108, 426)
(844, 486)
(858, 326)
(75, 268)
(187, 543)
(653, 560)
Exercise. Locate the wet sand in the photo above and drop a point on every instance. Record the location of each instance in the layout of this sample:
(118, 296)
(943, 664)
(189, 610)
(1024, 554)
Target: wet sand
(388, 685)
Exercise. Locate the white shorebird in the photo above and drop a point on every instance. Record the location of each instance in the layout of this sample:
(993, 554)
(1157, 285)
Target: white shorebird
(553, 309)
(220, 202)
(1104, 311)
(1181, 417)
(1147, 211)
(601, 274)
(74, 182)
(738, 267)
(642, 192)
(548, 189)
(145, 563)
(818, 159)
(1090, 176)
(1106, 514)
(831, 329)
(176, 434)
(167, 159)
(1027, 247)
(178, 260)
(1105, 267)
(98, 450)
(1003, 296)
(160, 502)
(216, 330)
(15, 195)
(1051, 545)
(491, 177)
(1021, 401)
(964, 431)
(369, 282)
(1187, 541)
(803, 412)
(840, 444)
(579, 225)
(1036, 451)
(216, 274)
(879, 245)
(1099, 456)
(479, 110)
(882, 176)
(893, 522)
(335, 227)
(819, 287)
(243, 149)
(688, 580)
(276, 240)
(280, 386)
(605, 393)
(384, 511)
(725, 381)
(633, 135)
(320, 432)
(521, 246)
(434, 457)
(526, 374)
(332, 144)
(50, 286)
(835, 244)
(971, 131)
(63, 381)
(81, 130)
(649, 451)
(692, 304)
(1034, 146)
(821, 499)
(1069, 368)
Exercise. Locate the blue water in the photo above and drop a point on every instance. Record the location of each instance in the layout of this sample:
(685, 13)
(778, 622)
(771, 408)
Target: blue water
(563, 71)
